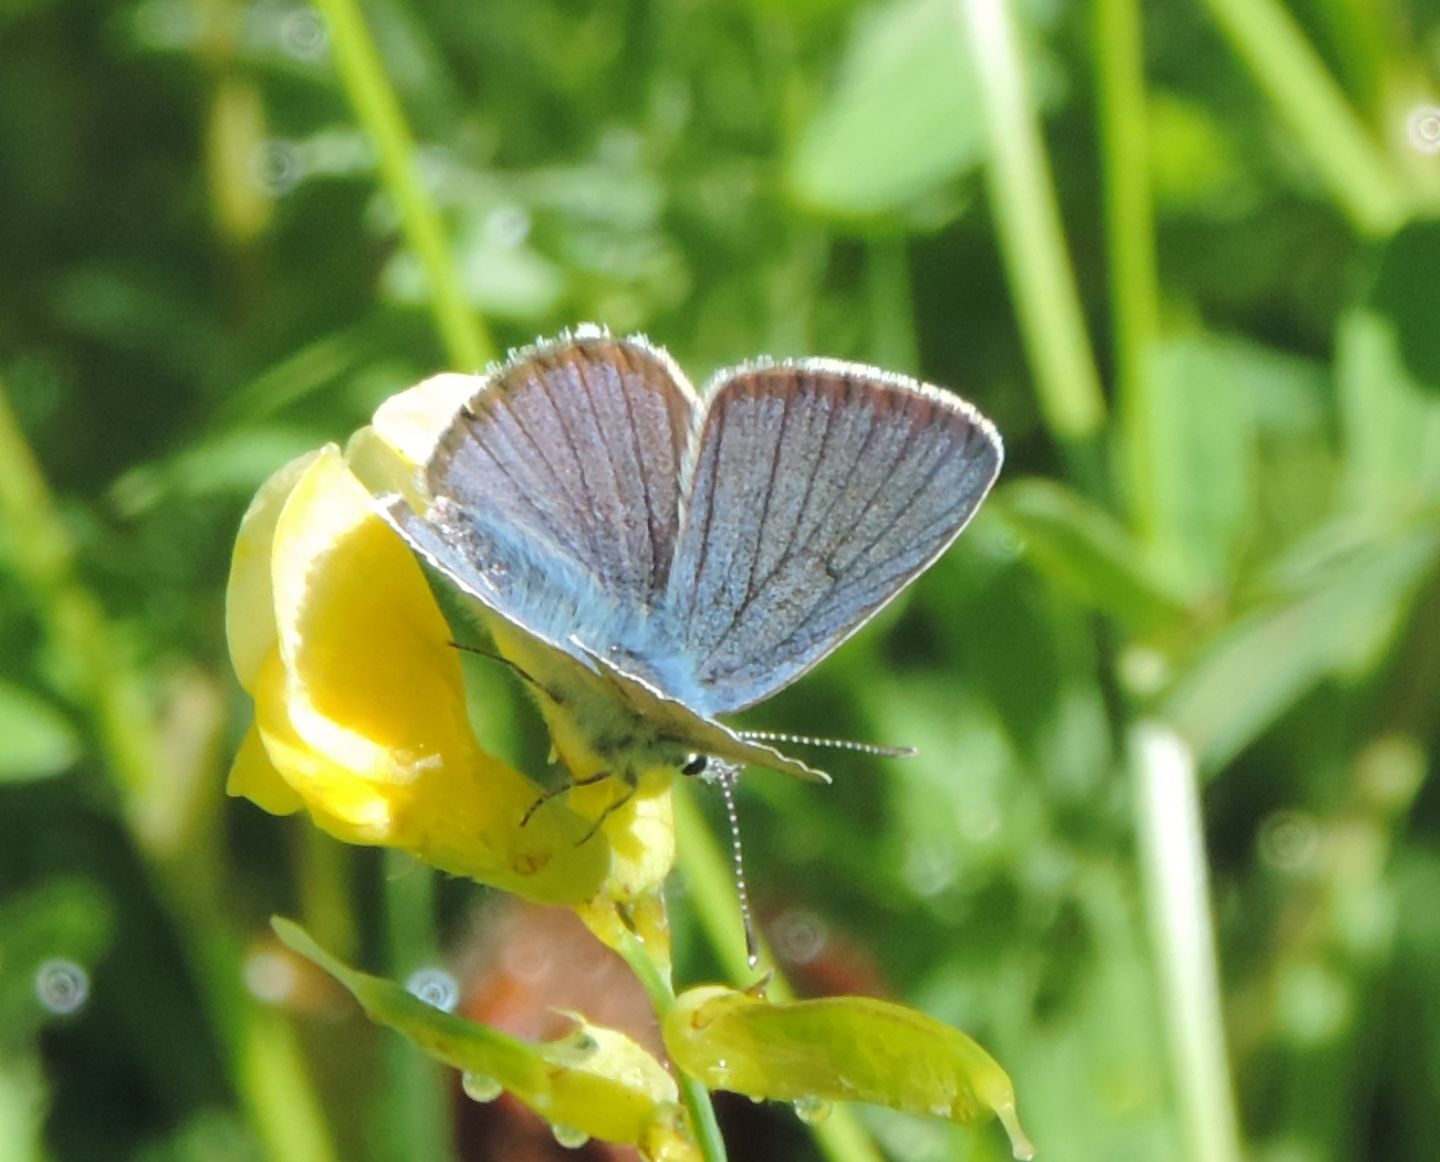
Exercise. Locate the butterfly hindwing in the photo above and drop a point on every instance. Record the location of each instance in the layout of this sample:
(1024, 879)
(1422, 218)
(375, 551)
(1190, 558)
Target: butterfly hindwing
(850, 482)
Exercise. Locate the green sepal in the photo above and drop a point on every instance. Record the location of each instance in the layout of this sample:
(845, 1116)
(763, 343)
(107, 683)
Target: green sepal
(595, 1081)
(839, 1049)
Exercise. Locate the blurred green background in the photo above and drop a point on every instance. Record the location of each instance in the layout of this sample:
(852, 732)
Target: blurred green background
(1183, 670)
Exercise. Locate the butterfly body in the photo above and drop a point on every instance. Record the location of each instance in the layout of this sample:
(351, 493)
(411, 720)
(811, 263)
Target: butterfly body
(653, 557)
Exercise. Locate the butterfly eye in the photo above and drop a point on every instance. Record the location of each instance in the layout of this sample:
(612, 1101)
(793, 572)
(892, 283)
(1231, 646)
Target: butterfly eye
(695, 764)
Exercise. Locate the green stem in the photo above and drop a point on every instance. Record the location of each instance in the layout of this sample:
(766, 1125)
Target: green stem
(1130, 238)
(416, 1097)
(710, 892)
(695, 1096)
(466, 339)
(892, 306)
(266, 1065)
(1292, 75)
(1027, 217)
(1177, 899)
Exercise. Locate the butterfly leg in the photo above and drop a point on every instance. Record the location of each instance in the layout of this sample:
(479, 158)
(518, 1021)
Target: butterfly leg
(556, 792)
(610, 809)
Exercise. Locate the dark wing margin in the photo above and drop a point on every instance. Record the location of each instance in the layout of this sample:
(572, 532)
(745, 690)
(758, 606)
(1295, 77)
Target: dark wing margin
(817, 492)
(572, 449)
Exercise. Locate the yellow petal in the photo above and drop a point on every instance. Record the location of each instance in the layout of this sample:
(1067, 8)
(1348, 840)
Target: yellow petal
(361, 708)
(389, 455)
(412, 421)
(249, 599)
(253, 776)
(374, 682)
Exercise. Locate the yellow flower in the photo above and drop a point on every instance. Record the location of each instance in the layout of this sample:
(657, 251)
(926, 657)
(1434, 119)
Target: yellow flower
(360, 713)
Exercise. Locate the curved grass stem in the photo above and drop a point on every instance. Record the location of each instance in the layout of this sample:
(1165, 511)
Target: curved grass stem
(266, 1065)
(1032, 241)
(467, 341)
(1291, 74)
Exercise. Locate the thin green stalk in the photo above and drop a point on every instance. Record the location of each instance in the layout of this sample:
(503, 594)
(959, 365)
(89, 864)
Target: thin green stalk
(1130, 239)
(466, 338)
(415, 1111)
(1292, 75)
(695, 1096)
(93, 673)
(266, 1066)
(710, 892)
(1177, 900)
(891, 305)
(1027, 217)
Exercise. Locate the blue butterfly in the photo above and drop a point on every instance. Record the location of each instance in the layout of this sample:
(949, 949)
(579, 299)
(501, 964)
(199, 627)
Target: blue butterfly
(654, 558)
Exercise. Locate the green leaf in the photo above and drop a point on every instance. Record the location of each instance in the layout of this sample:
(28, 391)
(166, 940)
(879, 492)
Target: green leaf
(1087, 552)
(903, 119)
(1347, 612)
(839, 1049)
(39, 741)
(1389, 423)
(595, 1082)
(1203, 456)
(1405, 293)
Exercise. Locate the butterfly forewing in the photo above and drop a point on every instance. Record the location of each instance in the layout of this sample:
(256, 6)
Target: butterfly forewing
(573, 450)
(816, 493)
(557, 497)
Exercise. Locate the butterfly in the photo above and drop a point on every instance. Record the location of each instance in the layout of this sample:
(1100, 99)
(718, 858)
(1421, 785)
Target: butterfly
(653, 557)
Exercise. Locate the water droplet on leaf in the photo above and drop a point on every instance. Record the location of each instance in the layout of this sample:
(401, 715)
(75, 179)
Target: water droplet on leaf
(569, 1136)
(435, 987)
(812, 1110)
(480, 1087)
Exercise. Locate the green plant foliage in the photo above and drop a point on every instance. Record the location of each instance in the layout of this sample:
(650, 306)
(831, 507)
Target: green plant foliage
(1168, 848)
(39, 740)
(594, 1081)
(839, 1049)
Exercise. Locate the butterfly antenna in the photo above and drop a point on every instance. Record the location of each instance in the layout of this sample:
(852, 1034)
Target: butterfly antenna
(887, 752)
(494, 657)
(727, 777)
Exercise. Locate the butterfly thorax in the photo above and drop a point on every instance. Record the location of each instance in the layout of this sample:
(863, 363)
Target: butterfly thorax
(593, 733)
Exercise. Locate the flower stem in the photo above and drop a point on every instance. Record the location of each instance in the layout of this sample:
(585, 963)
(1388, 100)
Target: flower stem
(711, 894)
(695, 1096)
(467, 341)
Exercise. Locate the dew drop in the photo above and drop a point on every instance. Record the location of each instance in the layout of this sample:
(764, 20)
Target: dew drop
(305, 35)
(270, 977)
(276, 168)
(62, 986)
(812, 1110)
(480, 1087)
(507, 226)
(569, 1136)
(1422, 128)
(435, 987)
